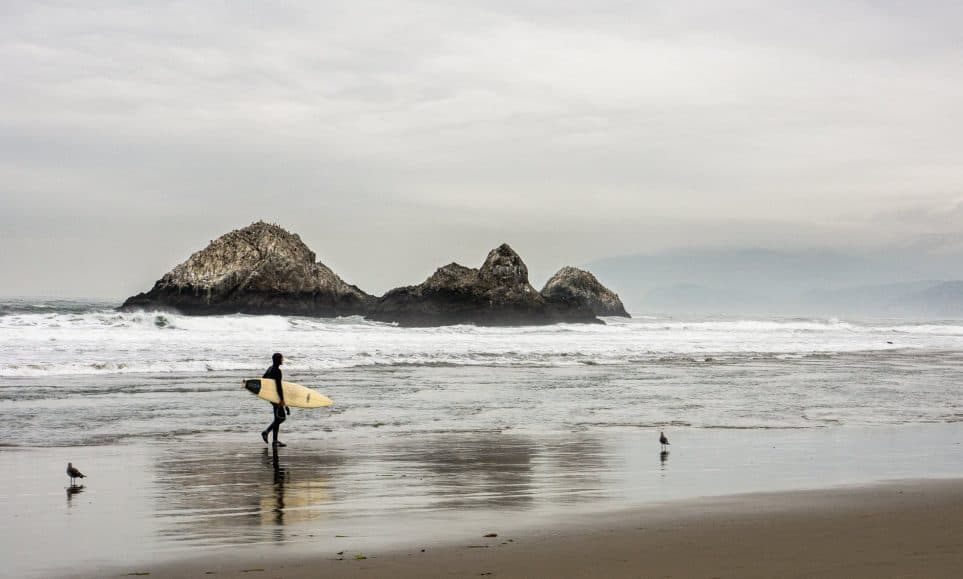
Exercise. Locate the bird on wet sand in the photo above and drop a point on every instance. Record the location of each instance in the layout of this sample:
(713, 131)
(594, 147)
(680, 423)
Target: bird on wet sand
(73, 473)
(663, 440)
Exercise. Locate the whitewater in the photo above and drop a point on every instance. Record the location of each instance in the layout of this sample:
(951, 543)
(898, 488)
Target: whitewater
(125, 375)
(68, 338)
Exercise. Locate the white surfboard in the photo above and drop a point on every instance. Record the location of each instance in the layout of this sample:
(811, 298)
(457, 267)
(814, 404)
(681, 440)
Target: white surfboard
(294, 394)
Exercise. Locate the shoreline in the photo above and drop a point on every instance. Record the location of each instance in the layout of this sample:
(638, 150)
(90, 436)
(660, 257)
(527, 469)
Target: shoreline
(908, 528)
(221, 500)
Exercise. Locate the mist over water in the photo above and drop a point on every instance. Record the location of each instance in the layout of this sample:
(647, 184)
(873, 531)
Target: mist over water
(85, 374)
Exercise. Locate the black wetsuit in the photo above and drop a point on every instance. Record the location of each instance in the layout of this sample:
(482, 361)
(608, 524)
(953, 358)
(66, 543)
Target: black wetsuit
(277, 409)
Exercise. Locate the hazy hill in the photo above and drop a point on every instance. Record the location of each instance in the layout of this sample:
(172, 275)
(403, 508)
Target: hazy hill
(866, 299)
(943, 300)
(761, 281)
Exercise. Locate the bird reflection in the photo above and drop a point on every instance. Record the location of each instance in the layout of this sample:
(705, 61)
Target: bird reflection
(663, 458)
(73, 490)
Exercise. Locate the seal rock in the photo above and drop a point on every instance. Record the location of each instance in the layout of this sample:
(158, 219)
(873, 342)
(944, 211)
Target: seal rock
(258, 269)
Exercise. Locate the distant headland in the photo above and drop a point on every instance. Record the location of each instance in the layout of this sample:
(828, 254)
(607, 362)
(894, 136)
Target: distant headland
(264, 269)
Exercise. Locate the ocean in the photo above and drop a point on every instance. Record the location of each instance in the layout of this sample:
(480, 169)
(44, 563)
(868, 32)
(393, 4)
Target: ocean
(437, 433)
(82, 373)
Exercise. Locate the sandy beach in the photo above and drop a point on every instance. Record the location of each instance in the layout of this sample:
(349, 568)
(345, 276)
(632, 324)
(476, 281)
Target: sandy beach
(897, 529)
(722, 503)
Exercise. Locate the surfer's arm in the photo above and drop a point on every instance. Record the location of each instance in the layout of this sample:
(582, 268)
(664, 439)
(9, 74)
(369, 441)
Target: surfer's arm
(281, 403)
(278, 380)
(281, 393)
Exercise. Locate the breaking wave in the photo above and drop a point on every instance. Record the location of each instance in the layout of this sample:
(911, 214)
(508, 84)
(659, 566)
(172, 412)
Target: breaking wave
(62, 338)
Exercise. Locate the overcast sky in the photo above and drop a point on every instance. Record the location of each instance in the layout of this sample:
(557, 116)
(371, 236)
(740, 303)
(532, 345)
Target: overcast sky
(396, 137)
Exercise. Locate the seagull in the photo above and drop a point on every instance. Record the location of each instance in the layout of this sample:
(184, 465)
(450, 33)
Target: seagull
(663, 440)
(73, 473)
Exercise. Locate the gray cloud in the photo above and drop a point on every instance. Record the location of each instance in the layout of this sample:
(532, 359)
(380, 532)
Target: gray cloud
(397, 136)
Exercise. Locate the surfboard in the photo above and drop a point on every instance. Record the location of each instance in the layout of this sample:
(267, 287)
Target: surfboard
(295, 395)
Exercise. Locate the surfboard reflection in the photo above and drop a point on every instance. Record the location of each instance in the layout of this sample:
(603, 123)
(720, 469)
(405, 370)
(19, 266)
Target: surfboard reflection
(228, 494)
(291, 501)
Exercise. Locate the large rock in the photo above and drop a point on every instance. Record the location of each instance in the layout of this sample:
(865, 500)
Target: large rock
(259, 269)
(581, 289)
(496, 294)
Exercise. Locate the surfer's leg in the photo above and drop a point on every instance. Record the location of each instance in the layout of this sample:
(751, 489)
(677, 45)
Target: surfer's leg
(273, 427)
(278, 419)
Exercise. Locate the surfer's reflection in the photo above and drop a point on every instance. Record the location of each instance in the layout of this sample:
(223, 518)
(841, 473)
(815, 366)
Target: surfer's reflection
(279, 474)
(291, 499)
(224, 492)
(278, 471)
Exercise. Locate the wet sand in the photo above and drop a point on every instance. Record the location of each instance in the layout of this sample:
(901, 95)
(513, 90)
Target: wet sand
(586, 502)
(901, 529)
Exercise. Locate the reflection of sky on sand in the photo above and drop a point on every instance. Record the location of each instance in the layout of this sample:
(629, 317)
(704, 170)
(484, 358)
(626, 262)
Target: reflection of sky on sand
(491, 471)
(218, 494)
(149, 502)
(223, 494)
(291, 501)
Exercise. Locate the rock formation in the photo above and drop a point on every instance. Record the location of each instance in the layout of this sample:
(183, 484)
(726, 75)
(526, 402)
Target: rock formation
(259, 269)
(498, 293)
(263, 269)
(582, 290)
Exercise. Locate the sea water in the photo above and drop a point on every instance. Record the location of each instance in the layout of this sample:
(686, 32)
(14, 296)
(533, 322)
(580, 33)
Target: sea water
(436, 434)
(82, 373)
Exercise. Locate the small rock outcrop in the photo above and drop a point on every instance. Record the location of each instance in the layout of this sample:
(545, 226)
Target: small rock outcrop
(259, 269)
(498, 293)
(581, 289)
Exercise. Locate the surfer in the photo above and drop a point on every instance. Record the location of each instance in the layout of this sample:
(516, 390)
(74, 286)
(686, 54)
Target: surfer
(280, 410)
